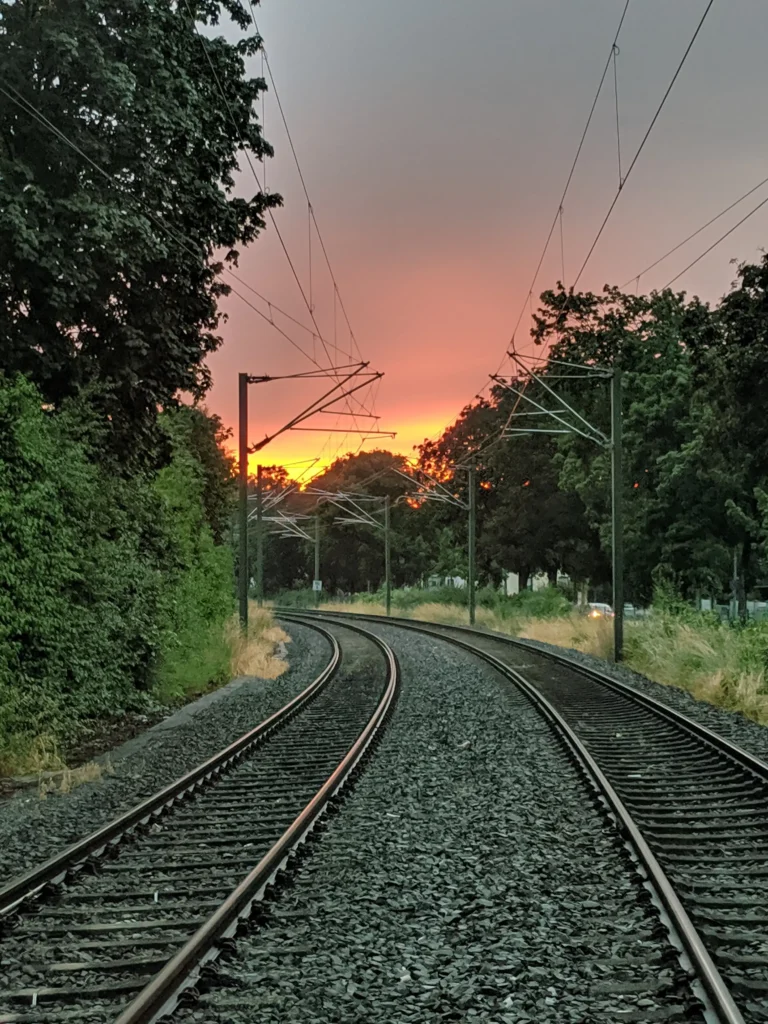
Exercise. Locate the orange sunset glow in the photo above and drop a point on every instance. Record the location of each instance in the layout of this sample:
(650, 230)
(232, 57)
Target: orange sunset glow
(294, 451)
(433, 245)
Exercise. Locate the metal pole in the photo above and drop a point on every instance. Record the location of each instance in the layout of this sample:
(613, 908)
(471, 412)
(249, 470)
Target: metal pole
(734, 609)
(242, 381)
(317, 556)
(471, 544)
(617, 521)
(259, 539)
(387, 572)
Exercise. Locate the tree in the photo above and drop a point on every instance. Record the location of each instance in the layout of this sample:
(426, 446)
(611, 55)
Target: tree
(732, 380)
(653, 338)
(533, 525)
(110, 585)
(115, 277)
(204, 435)
(352, 556)
(526, 523)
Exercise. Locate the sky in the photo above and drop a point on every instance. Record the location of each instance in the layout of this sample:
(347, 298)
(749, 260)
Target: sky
(435, 138)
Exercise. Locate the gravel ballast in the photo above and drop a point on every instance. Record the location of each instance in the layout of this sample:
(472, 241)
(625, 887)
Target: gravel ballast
(470, 876)
(733, 725)
(32, 829)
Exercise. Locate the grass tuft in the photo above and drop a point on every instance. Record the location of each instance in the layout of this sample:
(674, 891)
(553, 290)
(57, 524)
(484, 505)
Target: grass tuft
(65, 781)
(722, 664)
(26, 755)
(254, 653)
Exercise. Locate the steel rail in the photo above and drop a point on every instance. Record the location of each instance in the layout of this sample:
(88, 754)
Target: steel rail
(56, 868)
(747, 760)
(160, 996)
(682, 928)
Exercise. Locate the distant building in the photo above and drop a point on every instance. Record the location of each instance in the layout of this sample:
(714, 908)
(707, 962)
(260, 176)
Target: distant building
(539, 581)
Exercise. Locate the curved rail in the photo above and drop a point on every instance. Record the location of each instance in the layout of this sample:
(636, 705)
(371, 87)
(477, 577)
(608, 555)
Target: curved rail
(258, 815)
(684, 933)
(161, 994)
(56, 868)
(743, 757)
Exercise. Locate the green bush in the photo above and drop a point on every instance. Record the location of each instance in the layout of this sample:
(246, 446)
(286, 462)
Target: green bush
(197, 599)
(549, 603)
(304, 598)
(111, 586)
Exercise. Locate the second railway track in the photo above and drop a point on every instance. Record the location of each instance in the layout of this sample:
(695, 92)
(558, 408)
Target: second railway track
(130, 915)
(697, 802)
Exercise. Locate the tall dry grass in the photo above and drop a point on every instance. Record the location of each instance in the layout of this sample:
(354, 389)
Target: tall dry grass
(31, 756)
(714, 661)
(255, 652)
(724, 665)
(592, 636)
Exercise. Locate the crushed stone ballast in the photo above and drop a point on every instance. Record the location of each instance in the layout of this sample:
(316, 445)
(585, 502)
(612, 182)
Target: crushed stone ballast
(690, 803)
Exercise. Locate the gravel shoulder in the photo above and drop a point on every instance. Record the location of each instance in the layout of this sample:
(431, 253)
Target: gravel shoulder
(32, 829)
(733, 725)
(467, 877)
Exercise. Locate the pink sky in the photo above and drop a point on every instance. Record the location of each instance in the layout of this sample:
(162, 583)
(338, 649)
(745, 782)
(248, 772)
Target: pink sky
(435, 140)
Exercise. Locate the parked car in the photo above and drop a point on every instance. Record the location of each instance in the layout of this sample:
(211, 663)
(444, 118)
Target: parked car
(599, 611)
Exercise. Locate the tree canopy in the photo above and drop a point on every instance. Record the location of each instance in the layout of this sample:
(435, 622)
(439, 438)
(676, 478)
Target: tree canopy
(695, 454)
(119, 145)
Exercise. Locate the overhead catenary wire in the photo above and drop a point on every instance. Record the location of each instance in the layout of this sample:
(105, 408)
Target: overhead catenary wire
(560, 206)
(717, 242)
(301, 177)
(28, 108)
(562, 247)
(311, 209)
(233, 119)
(645, 138)
(722, 213)
(570, 177)
(247, 155)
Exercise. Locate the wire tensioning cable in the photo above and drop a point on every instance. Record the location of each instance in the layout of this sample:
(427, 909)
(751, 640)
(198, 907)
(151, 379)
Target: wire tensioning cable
(618, 124)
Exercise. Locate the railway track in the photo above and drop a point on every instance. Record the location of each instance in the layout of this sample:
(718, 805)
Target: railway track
(691, 805)
(119, 925)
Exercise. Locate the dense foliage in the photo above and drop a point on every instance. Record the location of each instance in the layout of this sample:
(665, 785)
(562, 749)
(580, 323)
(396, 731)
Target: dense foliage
(695, 379)
(110, 255)
(118, 158)
(110, 586)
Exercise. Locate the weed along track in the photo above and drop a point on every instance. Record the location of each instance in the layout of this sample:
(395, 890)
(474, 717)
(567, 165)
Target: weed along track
(691, 807)
(119, 925)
